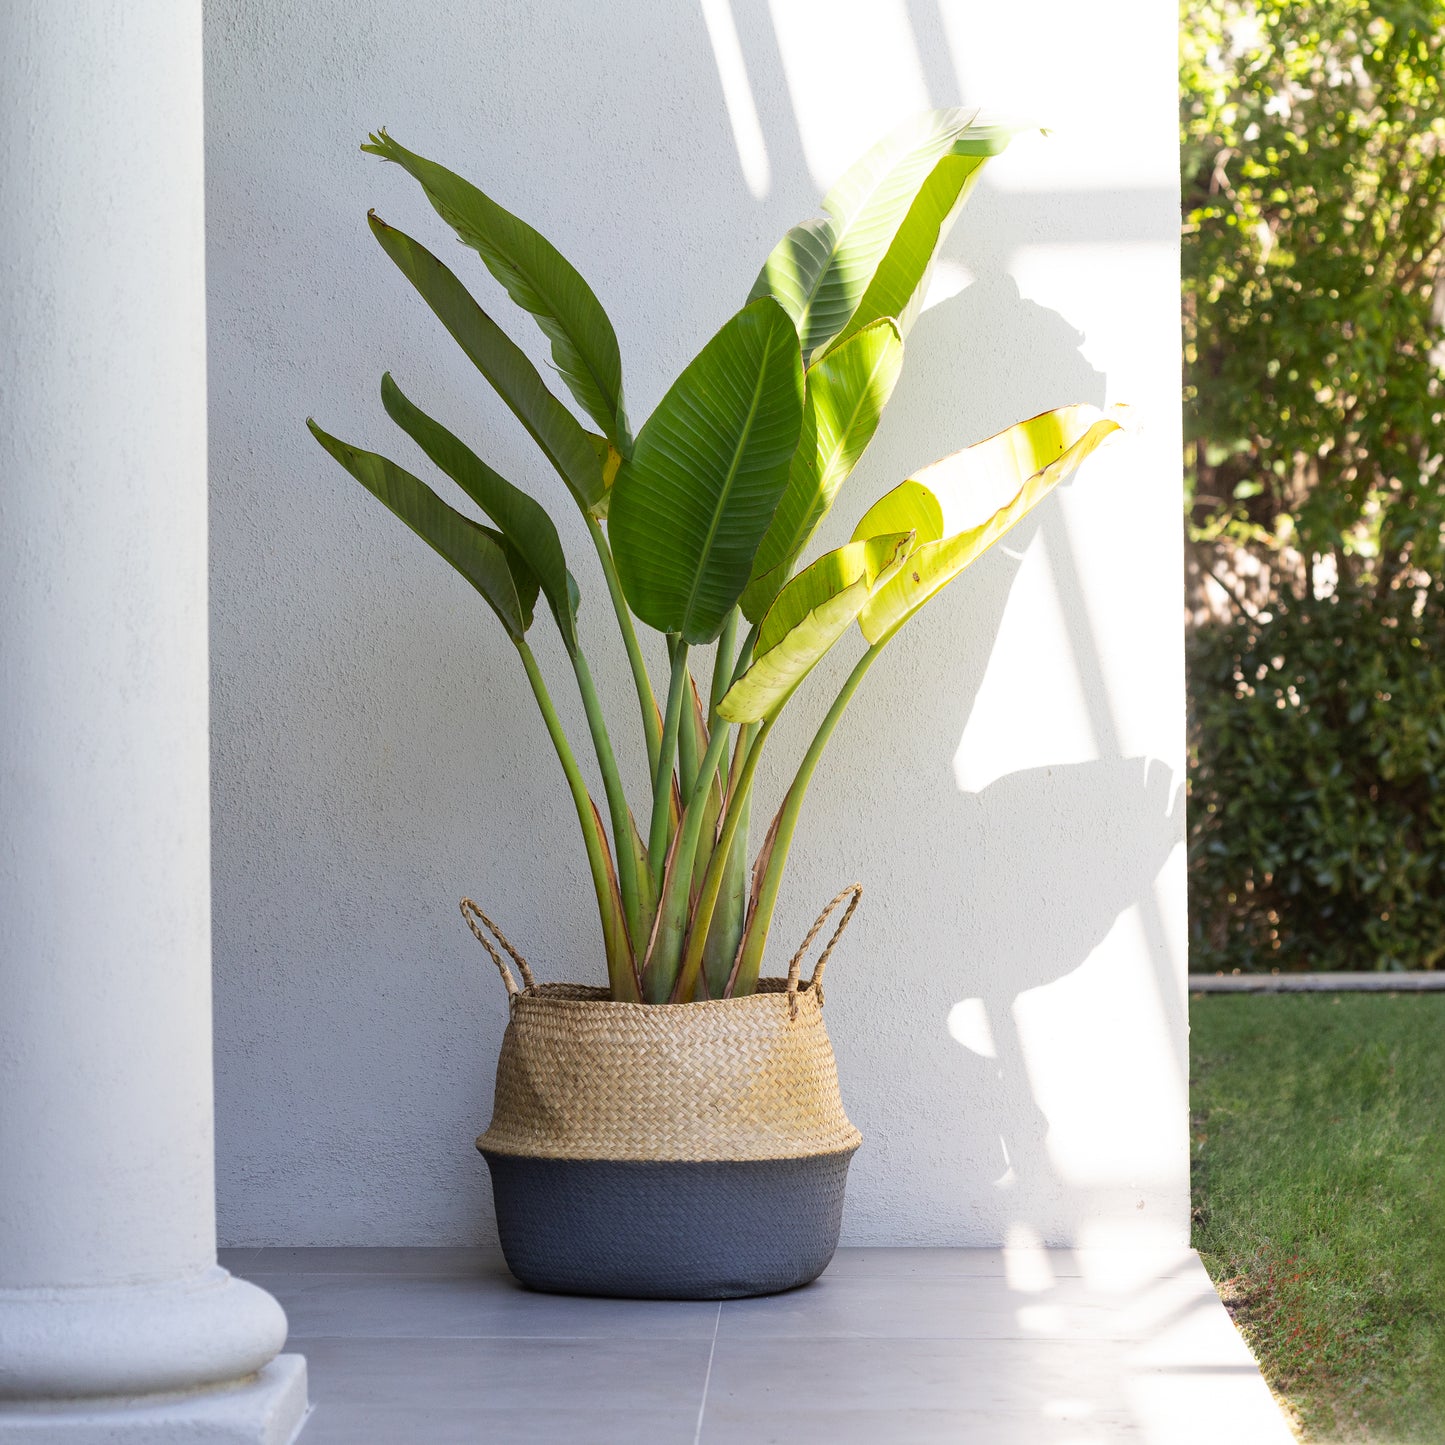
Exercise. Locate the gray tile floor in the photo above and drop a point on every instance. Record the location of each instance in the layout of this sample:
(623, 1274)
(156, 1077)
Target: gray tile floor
(1043, 1347)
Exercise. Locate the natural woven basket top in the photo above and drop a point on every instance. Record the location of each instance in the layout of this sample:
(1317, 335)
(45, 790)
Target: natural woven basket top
(582, 1077)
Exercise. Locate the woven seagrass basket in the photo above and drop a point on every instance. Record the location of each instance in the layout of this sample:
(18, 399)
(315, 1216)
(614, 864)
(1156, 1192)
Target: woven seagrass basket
(675, 1151)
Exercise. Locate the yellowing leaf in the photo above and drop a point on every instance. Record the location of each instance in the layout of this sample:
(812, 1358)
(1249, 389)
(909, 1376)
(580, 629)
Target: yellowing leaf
(811, 613)
(1032, 457)
(909, 507)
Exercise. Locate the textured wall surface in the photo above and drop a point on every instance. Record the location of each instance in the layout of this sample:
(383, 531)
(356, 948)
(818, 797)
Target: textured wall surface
(1009, 1009)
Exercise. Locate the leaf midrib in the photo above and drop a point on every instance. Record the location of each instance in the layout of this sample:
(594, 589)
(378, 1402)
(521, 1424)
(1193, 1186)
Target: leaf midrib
(462, 227)
(530, 277)
(726, 491)
(548, 407)
(812, 295)
(797, 540)
(866, 391)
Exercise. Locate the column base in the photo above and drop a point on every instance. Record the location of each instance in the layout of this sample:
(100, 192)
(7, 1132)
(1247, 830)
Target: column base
(130, 1341)
(267, 1409)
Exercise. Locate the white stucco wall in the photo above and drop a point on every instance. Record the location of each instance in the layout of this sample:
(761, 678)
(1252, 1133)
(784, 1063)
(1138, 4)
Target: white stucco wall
(1009, 1009)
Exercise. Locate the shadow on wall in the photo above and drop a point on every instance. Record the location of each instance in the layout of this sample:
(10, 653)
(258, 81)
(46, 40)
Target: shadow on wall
(1018, 862)
(1032, 840)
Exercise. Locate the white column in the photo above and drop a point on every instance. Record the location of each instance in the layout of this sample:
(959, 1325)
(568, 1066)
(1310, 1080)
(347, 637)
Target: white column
(109, 1285)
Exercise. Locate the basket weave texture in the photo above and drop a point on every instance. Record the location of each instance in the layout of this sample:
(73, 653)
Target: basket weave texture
(582, 1077)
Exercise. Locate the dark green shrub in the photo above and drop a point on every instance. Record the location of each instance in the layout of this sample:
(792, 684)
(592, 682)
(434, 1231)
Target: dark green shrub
(1317, 788)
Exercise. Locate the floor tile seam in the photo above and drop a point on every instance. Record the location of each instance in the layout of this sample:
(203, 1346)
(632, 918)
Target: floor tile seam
(1069, 1284)
(740, 1339)
(802, 1335)
(339, 1409)
(943, 1276)
(707, 1375)
(496, 1267)
(419, 1276)
(612, 1336)
(932, 1277)
(1070, 1291)
(811, 1335)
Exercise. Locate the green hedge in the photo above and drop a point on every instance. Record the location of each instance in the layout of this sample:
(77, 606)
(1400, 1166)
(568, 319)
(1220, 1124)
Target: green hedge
(1317, 789)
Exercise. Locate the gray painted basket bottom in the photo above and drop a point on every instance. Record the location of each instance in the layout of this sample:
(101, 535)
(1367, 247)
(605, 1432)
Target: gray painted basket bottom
(666, 1230)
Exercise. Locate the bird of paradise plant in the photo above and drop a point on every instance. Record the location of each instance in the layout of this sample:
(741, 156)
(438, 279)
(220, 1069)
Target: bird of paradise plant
(700, 519)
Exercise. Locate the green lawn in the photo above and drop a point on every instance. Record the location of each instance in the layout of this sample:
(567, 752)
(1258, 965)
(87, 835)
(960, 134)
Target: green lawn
(1319, 1200)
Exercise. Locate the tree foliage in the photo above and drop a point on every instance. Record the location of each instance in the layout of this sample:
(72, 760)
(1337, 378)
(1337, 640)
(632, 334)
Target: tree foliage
(1313, 141)
(1314, 205)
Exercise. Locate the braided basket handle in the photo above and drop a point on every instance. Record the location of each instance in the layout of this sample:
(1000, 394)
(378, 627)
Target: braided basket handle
(473, 915)
(853, 892)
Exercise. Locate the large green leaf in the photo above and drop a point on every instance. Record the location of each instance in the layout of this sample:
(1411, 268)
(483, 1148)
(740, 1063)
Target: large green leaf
(481, 555)
(504, 364)
(811, 613)
(795, 266)
(847, 389)
(523, 521)
(1033, 457)
(821, 271)
(537, 277)
(901, 280)
(693, 502)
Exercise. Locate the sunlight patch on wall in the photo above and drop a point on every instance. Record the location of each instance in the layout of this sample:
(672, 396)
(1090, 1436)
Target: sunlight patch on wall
(968, 1023)
(1096, 140)
(1031, 709)
(1103, 525)
(1125, 281)
(853, 74)
(1087, 1041)
(949, 279)
(738, 96)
